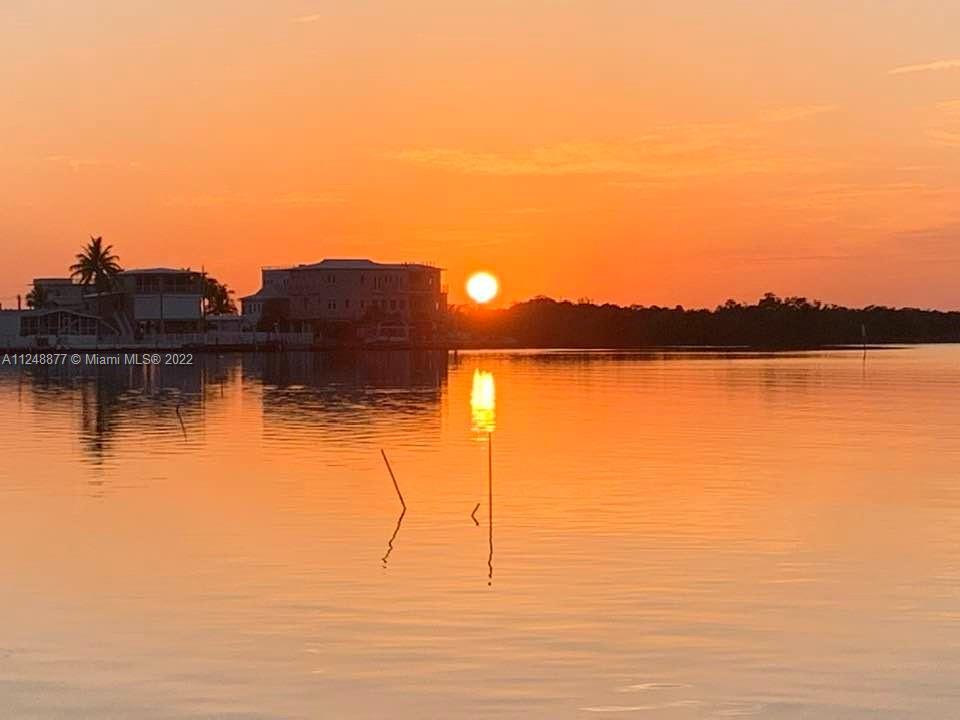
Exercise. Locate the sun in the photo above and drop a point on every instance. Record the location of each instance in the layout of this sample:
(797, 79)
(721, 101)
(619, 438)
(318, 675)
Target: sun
(482, 287)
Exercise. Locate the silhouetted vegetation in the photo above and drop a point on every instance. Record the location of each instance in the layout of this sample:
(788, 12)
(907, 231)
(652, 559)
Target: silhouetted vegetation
(217, 297)
(38, 298)
(96, 265)
(772, 322)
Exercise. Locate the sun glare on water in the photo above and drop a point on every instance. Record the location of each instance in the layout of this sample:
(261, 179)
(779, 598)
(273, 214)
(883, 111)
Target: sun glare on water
(482, 287)
(483, 401)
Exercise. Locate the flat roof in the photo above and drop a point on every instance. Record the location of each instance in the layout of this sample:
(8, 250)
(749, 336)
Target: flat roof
(355, 264)
(158, 271)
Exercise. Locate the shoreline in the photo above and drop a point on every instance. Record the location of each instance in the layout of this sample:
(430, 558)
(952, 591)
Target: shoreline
(349, 349)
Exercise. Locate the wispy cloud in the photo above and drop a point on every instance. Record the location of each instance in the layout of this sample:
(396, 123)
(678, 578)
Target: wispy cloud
(867, 205)
(667, 153)
(949, 107)
(291, 200)
(856, 191)
(308, 18)
(200, 200)
(629, 159)
(311, 199)
(947, 138)
(795, 112)
(760, 259)
(944, 127)
(926, 67)
(929, 243)
(78, 164)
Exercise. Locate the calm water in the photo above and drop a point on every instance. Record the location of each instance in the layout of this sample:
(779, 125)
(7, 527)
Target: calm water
(681, 536)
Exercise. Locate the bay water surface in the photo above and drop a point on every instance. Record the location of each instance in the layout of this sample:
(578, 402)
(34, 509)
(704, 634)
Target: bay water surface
(673, 535)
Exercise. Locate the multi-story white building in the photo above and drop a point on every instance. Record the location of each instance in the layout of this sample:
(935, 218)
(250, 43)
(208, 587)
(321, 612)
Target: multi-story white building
(162, 300)
(354, 292)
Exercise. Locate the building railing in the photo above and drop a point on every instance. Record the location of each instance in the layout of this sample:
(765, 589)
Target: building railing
(210, 339)
(227, 337)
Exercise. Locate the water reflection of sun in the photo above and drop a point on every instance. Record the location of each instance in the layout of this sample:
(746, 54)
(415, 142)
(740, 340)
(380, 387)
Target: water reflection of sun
(483, 401)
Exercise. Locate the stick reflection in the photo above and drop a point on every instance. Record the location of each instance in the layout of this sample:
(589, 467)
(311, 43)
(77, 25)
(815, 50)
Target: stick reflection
(396, 531)
(490, 506)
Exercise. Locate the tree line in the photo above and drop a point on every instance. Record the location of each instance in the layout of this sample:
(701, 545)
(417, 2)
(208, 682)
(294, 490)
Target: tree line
(771, 322)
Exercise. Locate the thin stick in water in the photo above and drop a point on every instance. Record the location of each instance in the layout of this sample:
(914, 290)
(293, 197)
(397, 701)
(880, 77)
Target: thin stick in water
(393, 477)
(182, 426)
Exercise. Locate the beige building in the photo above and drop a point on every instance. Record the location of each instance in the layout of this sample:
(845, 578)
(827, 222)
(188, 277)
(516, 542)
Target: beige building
(353, 292)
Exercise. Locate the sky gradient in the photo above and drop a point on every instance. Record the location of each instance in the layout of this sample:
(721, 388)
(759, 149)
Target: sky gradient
(635, 152)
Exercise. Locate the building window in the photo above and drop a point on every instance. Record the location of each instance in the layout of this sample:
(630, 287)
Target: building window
(346, 303)
(393, 304)
(331, 304)
(402, 303)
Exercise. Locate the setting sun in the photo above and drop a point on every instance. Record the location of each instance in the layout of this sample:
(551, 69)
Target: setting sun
(482, 287)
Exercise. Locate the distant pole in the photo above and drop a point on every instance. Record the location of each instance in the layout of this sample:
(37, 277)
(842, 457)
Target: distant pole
(203, 305)
(18, 303)
(863, 335)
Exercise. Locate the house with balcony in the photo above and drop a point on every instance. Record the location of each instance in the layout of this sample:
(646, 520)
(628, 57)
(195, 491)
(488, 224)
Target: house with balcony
(142, 302)
(162, 300)
(151, 301)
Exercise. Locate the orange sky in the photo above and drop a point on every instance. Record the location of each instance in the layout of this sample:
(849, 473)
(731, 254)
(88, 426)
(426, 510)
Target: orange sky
(648, 152)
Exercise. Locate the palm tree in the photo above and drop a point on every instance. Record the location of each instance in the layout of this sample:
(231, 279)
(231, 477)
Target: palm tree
(216, 298)
(38, 298)
(96, 265)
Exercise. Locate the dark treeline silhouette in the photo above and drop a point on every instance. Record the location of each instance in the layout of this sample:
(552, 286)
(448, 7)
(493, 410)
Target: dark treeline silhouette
(772, 322)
